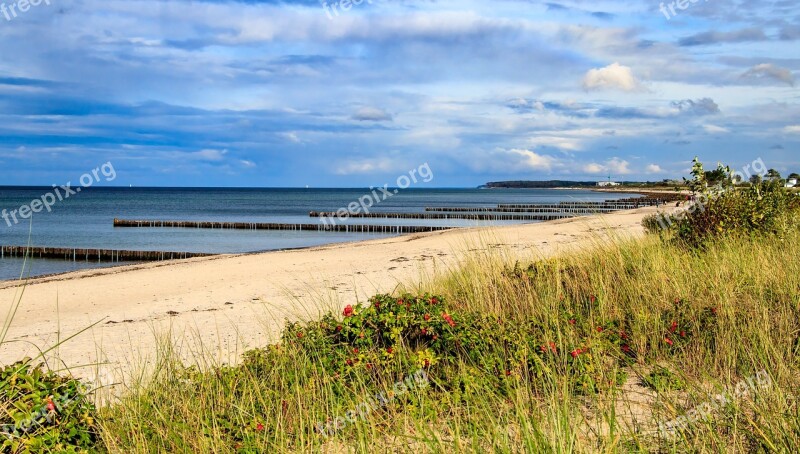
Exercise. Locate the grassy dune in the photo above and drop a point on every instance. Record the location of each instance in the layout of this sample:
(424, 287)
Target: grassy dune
(684, 341)
(582, 353)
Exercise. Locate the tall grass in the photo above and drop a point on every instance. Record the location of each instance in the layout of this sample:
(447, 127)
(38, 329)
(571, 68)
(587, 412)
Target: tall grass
(737, 304)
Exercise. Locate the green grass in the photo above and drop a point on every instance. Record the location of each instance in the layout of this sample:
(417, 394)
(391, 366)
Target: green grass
(730, 311)
(602, 350)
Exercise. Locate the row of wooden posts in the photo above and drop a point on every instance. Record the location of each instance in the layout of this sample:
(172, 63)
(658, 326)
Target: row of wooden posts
(502, 212)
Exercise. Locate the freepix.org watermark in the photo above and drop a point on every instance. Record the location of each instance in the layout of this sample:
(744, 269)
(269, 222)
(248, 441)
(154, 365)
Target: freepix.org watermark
(378, 195)
(680, 4)
(58, 194)
(22, 6)
(332, 9)
(760, 381)
(417, 380)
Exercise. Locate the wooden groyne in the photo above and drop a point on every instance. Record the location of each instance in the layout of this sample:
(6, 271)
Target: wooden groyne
(321, 227)
(93, 255)
(465, 216)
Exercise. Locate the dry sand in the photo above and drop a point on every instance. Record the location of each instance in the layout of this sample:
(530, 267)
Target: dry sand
(226, 304)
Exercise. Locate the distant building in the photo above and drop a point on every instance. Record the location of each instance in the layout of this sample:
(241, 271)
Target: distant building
(608, 183)
(791, 183)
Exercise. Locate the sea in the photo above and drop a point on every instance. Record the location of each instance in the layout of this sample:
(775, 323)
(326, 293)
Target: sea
(85, 219)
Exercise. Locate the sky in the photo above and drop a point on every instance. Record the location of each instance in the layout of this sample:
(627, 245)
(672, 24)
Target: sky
(338, 94)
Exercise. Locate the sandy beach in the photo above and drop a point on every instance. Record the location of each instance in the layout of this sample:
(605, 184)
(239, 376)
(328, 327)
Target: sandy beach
(224, 305)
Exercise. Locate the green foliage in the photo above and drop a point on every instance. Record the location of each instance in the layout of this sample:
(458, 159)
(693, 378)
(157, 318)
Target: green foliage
(41, 411)
(762, 208)
(417, 331)
(661, 380)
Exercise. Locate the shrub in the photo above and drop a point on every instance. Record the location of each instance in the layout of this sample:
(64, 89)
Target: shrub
(41, 411)
(762, 208)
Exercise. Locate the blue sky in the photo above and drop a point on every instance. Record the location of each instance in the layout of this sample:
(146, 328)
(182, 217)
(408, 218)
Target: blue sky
(288, 93)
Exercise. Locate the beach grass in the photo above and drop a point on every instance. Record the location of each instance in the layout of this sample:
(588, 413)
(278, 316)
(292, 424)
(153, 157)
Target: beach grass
(599, 350)
(681, 341)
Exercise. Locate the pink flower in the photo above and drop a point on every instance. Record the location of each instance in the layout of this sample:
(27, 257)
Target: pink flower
(348, 311)
(259, 427)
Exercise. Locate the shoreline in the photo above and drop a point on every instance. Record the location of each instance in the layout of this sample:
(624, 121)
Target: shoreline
(224, 305)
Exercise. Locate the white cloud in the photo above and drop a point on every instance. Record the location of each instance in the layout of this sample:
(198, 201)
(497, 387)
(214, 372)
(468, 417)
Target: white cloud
(794, 129)
(593, 168)
(654, 168)
(613, 76)
(246, 163)
(291, 136)
(366, 166)
(713, 129)
(209, 155)
(371, 114)
(614, 166)
(564, 143)
(769, 71)
(511, 161)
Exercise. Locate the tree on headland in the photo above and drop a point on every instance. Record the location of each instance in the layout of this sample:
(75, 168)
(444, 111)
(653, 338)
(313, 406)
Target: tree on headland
(794, 176)
(715, 177)
(773, 174)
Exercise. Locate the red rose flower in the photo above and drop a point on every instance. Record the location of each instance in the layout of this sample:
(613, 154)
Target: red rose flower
(427, 317)
(683, 333)
(50, 405)
(369, 366)
(572, 321)
(599, 329)
(592, 298)
(668, 340)
(448, 319)
(259, 427)
(348, 311)
(508, 372)
(427, 363)
(355, 350)
(623, 335)
(575, 352)
(424, 332)
(434, 301)
(673, 327)
(389, 350)
(553, 346)
(626, 348)
(299, 335)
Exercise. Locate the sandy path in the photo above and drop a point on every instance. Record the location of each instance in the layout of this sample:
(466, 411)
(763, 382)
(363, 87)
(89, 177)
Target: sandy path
(229, 303)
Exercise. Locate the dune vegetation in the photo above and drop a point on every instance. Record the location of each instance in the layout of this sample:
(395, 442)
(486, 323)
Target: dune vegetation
(685, 340)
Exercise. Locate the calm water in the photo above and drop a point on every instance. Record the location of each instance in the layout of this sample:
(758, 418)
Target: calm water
(85, 220)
